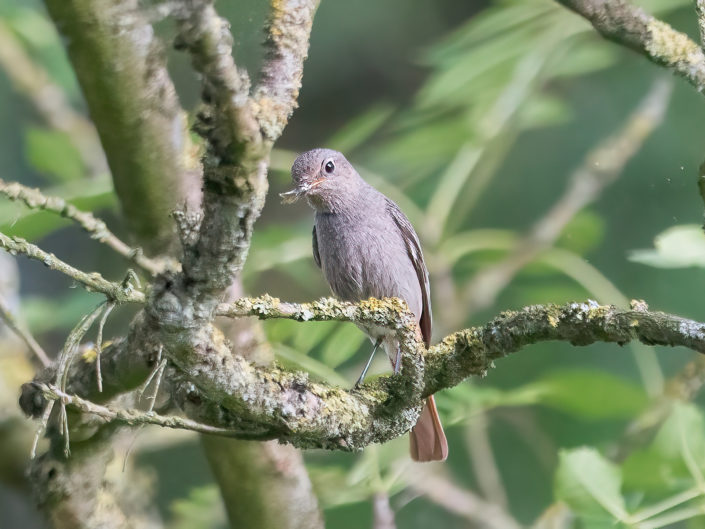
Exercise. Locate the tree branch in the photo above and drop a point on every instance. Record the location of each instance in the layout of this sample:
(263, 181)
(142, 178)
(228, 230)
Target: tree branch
(239, 131)
(631, 26)
(91, 281)
(275, 97)
(226, 391)
(34, 199)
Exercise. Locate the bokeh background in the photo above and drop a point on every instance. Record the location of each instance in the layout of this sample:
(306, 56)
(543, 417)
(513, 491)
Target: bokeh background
(474, 117)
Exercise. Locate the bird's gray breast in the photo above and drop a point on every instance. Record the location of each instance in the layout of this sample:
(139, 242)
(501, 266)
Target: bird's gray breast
(364, 255)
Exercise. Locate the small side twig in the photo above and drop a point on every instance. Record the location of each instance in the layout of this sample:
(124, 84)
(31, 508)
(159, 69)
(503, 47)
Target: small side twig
(157, 372)
(129, 417)
(99, 343)
(35, 199)
(23, 333)
(91, 281)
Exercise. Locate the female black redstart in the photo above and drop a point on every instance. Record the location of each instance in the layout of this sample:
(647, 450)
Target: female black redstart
(366, 247)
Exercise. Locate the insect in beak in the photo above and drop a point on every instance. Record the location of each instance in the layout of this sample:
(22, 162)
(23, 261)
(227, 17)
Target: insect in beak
(295, 194)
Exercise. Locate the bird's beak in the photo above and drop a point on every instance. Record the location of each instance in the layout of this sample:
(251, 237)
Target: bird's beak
(295, 194)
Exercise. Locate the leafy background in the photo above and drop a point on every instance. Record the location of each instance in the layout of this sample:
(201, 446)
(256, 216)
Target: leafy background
(471, 115)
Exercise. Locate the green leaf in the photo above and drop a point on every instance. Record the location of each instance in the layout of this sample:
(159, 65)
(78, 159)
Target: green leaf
(342, 345)
(675, 459)
(44, 314)
(586, 55)
(53, 154)
(358, 131)
(590, 485)
(583, 233)
(542, 110)
(590, 394)
(293, 357)
(677, 247)
(464, 400)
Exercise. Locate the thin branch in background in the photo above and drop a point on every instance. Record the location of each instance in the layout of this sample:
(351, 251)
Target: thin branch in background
(600, 168)
(631, 26)
(91, 281)
(32, 81)
(23, 333)
(99, 343)
(382, 513)
(441, 491)
(34, 199)
(483, 461)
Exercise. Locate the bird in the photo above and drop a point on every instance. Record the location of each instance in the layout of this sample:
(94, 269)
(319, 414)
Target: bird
(366, 247)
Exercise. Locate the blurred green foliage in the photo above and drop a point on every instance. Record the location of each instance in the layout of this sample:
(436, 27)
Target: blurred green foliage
(473, 130)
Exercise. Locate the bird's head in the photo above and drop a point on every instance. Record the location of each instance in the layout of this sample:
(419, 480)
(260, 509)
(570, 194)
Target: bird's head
(325, 178)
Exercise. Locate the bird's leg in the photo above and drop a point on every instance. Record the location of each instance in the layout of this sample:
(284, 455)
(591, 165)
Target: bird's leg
(369, 361)
(397, 360)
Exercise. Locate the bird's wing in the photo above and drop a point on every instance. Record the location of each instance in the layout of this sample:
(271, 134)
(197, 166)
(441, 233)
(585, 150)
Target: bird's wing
(413, 249)
(316, 255)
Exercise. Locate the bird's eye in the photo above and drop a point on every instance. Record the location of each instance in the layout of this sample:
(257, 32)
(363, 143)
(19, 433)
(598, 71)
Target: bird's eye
(329, 167)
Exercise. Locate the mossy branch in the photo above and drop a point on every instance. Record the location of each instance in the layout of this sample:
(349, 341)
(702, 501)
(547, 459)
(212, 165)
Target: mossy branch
(248, 401)
(631, 26)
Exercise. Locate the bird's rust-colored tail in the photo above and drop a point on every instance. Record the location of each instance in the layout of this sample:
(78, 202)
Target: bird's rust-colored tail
(427, 439)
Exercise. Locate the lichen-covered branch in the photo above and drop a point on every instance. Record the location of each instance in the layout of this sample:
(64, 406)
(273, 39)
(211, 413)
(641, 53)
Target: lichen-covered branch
(275, 97)
(631, 26)
(226, 391)
(91, 281)
(33, 198)
(239, 131)
(700, 11)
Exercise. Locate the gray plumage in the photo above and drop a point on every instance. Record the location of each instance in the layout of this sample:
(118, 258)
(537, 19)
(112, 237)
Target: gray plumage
(366, 247)
(363, 243)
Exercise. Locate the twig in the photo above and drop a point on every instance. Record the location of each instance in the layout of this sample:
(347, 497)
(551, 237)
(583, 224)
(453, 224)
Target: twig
(92, 282)
(99, 344)
(72, 343)
(631, 26)
(129, 417)
(383, 515)
(23, 333)
(484, 465)
(600, 168)
(41, 428)
(33, 198)
(464, 503)
(158, 371)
